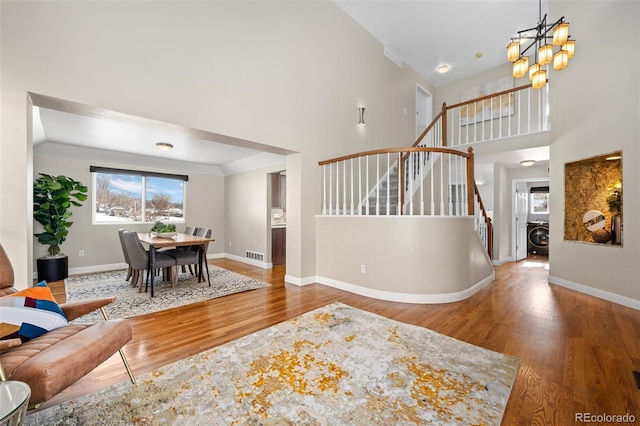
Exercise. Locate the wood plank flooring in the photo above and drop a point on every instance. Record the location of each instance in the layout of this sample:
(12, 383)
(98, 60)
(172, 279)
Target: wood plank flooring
(577, 352)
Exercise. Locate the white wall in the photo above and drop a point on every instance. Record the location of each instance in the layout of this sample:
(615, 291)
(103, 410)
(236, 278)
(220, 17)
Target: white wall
(204, 202)
(247, 209)
(596, 110)
(286, 74)
(399, 253)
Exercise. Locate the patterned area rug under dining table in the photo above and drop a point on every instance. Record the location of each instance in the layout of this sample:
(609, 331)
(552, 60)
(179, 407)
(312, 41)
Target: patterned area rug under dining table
(336, 365)
(131, 303)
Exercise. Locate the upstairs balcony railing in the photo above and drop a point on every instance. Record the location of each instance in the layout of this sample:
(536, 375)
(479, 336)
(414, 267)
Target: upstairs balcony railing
(518, 111)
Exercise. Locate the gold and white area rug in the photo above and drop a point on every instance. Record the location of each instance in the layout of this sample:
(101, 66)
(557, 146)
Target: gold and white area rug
(336, 365)
(130, 302)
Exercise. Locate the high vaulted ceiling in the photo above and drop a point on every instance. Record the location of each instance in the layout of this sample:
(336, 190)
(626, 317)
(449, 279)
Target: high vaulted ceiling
(429, 33)
(424, 34)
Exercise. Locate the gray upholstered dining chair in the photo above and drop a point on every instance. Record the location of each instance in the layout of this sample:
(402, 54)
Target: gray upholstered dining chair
(139, 259)
(126, 255)
(189, 230)
(191, 256)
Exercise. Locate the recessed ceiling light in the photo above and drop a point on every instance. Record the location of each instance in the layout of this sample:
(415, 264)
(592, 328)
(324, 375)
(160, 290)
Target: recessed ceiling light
(164, 146)
(443, 69)
(528, 163)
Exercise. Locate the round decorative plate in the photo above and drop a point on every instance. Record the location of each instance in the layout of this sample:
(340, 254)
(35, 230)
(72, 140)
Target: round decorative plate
(593, 220)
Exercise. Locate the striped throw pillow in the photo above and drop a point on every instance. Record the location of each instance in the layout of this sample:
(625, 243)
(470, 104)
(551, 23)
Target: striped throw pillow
(30, 313)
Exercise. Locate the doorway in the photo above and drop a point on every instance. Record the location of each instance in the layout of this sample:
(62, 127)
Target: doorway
(523, 216)
(278, 210)
(424, 109)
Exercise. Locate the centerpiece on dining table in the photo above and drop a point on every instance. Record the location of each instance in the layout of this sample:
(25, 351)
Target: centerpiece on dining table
(163, 230)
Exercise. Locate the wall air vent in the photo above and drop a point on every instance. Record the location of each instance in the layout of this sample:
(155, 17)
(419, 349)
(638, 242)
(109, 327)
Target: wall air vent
(254, 255)
(395, 58)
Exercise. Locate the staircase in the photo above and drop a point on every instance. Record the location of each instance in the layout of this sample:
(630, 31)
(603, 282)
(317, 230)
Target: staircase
(432, 178)
(383, 199)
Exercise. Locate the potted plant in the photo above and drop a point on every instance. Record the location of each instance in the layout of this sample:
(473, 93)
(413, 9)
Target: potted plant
(52, 198)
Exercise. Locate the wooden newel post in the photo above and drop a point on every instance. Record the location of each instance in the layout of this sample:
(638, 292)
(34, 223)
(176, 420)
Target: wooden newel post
(444, 124)
(471, 183)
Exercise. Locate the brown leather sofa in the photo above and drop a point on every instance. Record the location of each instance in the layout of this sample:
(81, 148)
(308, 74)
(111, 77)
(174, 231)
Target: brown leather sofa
(55, 360)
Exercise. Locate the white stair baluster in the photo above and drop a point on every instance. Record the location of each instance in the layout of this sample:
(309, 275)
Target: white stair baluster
(378, 184)
(351, 165)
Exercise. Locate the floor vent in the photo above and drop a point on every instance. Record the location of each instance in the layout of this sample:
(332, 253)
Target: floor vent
(254, 255)
(636, 374)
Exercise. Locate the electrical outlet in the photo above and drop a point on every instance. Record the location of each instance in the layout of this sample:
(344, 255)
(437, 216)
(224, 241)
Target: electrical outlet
(81, 253)
(363, 269)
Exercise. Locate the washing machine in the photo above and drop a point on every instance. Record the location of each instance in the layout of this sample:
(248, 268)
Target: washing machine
(538, 238)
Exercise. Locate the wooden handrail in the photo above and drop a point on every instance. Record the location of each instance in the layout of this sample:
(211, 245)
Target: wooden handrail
(483, 98)
(429, 127)
(487, 221)
(395, 151)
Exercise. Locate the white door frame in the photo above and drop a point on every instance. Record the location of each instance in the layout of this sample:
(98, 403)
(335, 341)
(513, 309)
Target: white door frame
(514, 223)
(424, 104)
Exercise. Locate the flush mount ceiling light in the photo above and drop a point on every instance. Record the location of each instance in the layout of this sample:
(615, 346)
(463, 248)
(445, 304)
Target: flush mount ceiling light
(527, 163)
(543, 54)
(164, 146)
(443, 69)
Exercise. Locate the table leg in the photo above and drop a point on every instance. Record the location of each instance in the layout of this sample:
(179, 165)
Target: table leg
(152, 266)
(200, 250)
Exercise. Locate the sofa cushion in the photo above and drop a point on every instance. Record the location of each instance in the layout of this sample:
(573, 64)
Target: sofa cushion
(30, 313)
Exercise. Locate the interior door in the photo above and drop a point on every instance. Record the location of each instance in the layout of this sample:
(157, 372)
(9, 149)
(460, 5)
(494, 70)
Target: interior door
(424, 114)
(521, 213)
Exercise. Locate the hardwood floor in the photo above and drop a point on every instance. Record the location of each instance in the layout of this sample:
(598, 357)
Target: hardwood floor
(577, 352)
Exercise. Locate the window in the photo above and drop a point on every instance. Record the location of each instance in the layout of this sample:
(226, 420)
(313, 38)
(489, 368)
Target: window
(135, 196)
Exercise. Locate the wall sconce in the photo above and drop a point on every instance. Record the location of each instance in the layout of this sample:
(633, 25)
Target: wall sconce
(361, 116)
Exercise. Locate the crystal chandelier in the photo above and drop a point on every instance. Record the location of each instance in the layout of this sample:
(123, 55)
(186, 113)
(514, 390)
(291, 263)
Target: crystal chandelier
(542, 51)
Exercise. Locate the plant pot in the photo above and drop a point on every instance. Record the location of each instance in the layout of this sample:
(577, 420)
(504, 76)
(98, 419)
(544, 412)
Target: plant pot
(616, 229)
(53, 269)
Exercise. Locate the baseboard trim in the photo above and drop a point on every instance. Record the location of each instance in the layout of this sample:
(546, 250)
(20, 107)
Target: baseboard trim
(502, 261)
(96, 268)
(290, 279)
(596, 292)
(116, 266)
(423, 299)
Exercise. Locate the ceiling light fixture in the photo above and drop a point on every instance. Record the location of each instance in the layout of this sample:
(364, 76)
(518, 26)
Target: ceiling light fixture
(164, 146)
(443, 69)
(527, 163)
(558, 33)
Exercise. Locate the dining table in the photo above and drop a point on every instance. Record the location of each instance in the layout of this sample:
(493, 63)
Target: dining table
(178, 240)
